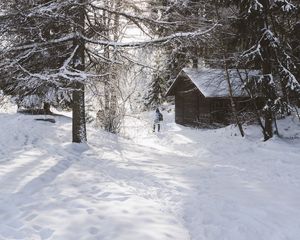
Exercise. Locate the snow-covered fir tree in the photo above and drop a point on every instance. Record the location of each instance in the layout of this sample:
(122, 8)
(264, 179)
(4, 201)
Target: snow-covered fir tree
(265, 28)
(44, 57)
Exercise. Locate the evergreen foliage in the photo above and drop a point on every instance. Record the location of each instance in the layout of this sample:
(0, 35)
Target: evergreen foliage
(34, 75)
(266, 30)
(182, 16)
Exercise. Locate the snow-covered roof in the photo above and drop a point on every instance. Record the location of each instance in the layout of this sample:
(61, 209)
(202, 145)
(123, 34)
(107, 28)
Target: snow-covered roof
(213, 83)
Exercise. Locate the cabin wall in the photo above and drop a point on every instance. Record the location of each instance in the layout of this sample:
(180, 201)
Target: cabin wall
(179, 108)
(203, 115)
(220, 109)
(193, 109)
(186, 107)
(186, 103)
(190, 107)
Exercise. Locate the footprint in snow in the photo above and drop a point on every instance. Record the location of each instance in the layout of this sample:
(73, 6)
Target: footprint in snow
(90, 211)
(34, 141)
(15, 224)
(30, 217)
(119, 199)
(106, 194)
(37, 227)
(89, 154)
(46, 233)
(95, 190)
(93, 230)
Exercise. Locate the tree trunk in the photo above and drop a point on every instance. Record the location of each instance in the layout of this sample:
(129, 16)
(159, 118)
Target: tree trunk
(114, 76)
(255, 107)
(195, 62)
(78, 105)
(268, 115)
(46, 108)
(79, 123)
(110, 94)
(233, 107)
(266, 70)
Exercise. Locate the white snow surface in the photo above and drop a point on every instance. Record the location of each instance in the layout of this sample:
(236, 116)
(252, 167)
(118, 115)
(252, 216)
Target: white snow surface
(182, 183)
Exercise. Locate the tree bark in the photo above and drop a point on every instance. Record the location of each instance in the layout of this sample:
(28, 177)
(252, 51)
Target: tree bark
(114, 76)
(266, 70)
(78, 105)
(268, 115)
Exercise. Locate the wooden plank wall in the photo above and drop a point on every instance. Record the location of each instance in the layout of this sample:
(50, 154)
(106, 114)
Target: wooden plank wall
(193, 109)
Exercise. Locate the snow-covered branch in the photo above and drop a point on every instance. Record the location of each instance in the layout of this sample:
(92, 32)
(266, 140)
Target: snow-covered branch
(291, 82)
(72, 36)
(155, 41)
(135, 17)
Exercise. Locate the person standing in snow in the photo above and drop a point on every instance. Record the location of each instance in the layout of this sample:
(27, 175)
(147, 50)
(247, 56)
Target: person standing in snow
(158, 117)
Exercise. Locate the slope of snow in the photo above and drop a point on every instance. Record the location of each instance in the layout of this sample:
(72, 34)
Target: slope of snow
(180, 184)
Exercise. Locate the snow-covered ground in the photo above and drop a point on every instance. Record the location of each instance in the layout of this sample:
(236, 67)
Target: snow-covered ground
(180, 184)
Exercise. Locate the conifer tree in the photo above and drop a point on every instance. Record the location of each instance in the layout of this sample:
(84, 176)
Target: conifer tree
(23, 77)
(266, 25)
(45, 56)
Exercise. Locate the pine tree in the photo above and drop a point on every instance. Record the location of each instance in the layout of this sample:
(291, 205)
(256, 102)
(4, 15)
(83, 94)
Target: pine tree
(23, 76)
(157, 90)
(47, 54)
(266, 25)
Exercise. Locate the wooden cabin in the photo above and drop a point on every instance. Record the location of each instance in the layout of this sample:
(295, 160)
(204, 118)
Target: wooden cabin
(202, 96)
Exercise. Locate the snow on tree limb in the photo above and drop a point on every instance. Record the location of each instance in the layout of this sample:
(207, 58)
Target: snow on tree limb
(256, 50)
(285, 5)
(291, 81)
(137, 18)
(66, 38)
(152, 41)
(72, 36)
